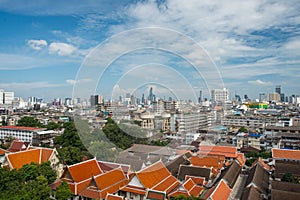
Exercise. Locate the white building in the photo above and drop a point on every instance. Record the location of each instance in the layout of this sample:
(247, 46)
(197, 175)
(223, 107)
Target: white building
(6, 97)
(25, 134)
(220, 95)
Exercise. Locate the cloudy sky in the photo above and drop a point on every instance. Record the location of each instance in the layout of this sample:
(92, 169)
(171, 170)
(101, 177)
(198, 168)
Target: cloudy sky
(178, 47)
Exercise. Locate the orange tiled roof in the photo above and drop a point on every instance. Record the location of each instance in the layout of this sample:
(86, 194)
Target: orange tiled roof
(207, 161)
(197, 179)
(263, 164)
(84, 170)
(222, 191)
(189, 188)
(132, 189)
(2, 151)
(241, 158)
(113, 197)
(153, 175)
(18, 159)
(286, 154)
(111, 181)
(230, 152)
(179, 192)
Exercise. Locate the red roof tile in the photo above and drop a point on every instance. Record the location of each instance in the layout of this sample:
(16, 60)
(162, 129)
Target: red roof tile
(229, 152)
(241, 158)
(111, 181)
(24, 128)
(113, 197)
(197, 179)
(286, 154)
(222, 191)
(18, 159)
(155, 195)
(129, 188)
(84, 170)
(208, 161)
(16, 146)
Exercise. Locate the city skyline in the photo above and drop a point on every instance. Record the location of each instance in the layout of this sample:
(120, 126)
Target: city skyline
(254, 45)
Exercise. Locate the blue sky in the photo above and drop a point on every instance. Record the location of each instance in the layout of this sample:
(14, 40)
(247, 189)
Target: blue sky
(48, 48)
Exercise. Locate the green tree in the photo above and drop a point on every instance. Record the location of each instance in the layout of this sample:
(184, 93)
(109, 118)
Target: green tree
(288, 177)
(29, 122)
(63, 191)
(53, 126)
(33, 170)
(37, 189)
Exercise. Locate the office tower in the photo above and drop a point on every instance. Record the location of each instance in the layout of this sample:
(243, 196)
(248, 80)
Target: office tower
(150, 97)
(8, 97)
(282, 97)
(94, 100)
(200, 96)
(278, 89)
(262, 97)
(220, 95)
(274, 97)
(143, 98)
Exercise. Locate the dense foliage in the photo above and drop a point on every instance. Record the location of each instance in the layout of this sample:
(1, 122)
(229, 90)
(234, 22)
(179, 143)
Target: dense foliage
(119, 137)
(289, 177)
(33, 122)
(29, 122)
(69, 146)
(63, 192)
(29, 182)
(252, 156)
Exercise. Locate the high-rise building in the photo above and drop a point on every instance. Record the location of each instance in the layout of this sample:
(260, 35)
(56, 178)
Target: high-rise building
(8, 97)
(200, 97)
(151, 97)
(278, 89)
(94, 100)
(262, 97)
(220, 95)
(274, 97)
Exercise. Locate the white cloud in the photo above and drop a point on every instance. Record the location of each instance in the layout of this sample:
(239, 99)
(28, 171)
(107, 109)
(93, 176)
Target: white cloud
(37, 44)
(29, 85)
(261, 83)
(62, 49)
(72, 82)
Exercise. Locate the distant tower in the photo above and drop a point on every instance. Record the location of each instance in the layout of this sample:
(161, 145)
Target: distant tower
(150, 98)
(278, 89)
(200, 96)
(143, 98)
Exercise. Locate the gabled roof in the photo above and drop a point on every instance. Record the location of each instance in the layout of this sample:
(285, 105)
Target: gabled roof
(229, 152)
(241, 158)
(154, 177)
(221, 192)
(232, 173)
(197, 179)
(207, 161)
(3, 151)
(84, 170)
(108, 166)
(17, 145)
(250, 193)
(174, 165)
(18, 159)
(157, 177)
(258, 177)
(192, 188)
(286, 154)
(263, 164)
(155, 195)
(105, 183)
(285, 190)
(113, 197)
(193, 171)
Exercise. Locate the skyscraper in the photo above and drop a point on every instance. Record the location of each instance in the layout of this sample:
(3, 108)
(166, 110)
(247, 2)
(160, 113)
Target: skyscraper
(220, 95)
(150, 97)
(278, 89)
